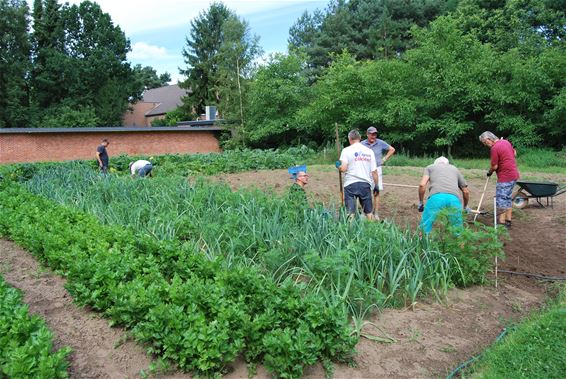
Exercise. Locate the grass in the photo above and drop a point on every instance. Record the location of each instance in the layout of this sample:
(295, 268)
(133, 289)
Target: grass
(536, 349)
(529, 160)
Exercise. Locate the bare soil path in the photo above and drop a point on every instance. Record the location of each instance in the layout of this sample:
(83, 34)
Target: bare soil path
(431, 340)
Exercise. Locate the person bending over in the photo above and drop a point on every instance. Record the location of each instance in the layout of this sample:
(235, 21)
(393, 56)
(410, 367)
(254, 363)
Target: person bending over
(446, 184)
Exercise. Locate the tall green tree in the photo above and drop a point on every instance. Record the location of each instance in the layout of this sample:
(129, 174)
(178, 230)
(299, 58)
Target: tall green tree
(279, 90)
(235, 57)
(148, 78)
(529, 25)
(15, 63)
(49, 83)
(80, 64)
(367, 29)
(101, 75)
(201, 57)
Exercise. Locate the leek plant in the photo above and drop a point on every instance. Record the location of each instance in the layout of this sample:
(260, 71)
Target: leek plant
(357, 263)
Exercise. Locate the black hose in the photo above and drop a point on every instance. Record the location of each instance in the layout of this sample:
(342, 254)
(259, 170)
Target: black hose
(474, 358)
(537, 276)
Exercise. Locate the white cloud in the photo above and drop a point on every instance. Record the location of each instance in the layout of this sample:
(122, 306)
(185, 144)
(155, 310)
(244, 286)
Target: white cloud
(143, 51)
(142, 15)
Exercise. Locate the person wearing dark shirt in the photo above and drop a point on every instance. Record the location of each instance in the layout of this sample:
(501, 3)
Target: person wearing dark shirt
(503, 163)
(102, 156)
(378, 146)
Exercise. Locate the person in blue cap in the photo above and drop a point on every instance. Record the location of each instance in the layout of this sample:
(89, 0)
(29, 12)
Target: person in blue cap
(297, 190)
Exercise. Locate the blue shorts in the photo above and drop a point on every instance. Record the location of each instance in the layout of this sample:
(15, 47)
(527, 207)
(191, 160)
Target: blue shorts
(362, 191)
(504, 194)
(145, 170)
(437, 203)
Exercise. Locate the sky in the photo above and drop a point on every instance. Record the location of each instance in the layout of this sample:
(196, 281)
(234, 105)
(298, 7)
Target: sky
(157, 29)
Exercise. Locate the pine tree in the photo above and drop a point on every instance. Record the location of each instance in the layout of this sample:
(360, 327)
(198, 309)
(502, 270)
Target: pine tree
(201, 57)
(14, 63)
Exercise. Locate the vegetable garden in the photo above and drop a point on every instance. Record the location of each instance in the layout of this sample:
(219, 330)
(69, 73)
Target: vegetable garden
(201, 274)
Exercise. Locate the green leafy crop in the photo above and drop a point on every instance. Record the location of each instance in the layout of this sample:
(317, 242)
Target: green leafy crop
(26, 345)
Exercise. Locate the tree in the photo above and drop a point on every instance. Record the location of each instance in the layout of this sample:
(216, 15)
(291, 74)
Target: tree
(201, 57)
(367, 29)
(49, 82)
(100, 75)
(278, 91)
(15, 64)
(235, 57)
(80, 62)
(148, 78)
(529, 25)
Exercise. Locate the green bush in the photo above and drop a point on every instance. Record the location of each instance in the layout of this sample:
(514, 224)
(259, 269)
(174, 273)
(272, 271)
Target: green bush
(70, 117)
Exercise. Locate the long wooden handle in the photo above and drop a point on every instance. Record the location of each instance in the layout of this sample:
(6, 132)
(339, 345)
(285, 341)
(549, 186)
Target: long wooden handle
(339, 172)
(400, 185)
(481, 199)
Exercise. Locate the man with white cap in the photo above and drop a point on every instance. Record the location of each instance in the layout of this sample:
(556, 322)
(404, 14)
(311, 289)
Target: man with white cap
(378, 146)
(446, 184)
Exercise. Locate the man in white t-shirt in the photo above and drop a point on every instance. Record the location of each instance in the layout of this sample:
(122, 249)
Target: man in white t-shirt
(359, 165)
(141, 167)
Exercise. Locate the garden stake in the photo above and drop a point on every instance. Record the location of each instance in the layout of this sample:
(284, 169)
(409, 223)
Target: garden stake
(481, 199)
(400, 185)
(339, 172)
(495, 226)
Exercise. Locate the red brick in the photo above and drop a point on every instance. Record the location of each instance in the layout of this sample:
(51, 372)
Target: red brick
(37, 147)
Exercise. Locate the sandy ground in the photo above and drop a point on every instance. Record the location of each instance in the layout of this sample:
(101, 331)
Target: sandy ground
(431, 340)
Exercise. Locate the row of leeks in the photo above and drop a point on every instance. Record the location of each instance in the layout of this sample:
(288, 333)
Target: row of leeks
(356, 263)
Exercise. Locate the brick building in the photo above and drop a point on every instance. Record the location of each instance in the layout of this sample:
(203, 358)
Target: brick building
(155, 103)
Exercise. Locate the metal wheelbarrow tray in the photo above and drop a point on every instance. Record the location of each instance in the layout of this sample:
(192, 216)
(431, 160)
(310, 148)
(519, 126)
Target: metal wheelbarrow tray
(537, 191)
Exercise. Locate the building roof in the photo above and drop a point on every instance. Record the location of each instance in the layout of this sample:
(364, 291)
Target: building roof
(119, 129)
(167, 98)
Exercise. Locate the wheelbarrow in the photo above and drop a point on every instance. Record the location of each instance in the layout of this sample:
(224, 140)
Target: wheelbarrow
(537, 191)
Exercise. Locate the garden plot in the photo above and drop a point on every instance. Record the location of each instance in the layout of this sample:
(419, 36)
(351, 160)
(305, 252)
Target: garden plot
(413, 334)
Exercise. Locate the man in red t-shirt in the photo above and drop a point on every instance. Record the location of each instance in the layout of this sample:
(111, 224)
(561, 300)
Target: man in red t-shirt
(504, 164)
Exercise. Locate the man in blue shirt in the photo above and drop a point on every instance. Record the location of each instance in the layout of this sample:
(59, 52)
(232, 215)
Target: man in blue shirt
(378, 146)
(102, 156)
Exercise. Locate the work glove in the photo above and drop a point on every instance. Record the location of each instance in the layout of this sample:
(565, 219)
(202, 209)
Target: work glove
(489, 173)
(468, 210)
(421, 207)
(338, 164)
(376, 190)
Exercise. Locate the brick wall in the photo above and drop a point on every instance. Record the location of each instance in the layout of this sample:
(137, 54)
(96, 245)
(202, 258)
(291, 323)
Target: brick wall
(59, 146)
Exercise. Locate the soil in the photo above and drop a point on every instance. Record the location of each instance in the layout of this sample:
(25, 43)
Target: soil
(431, 340)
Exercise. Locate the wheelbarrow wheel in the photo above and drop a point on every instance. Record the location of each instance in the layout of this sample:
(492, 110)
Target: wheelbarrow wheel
(520, 200)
